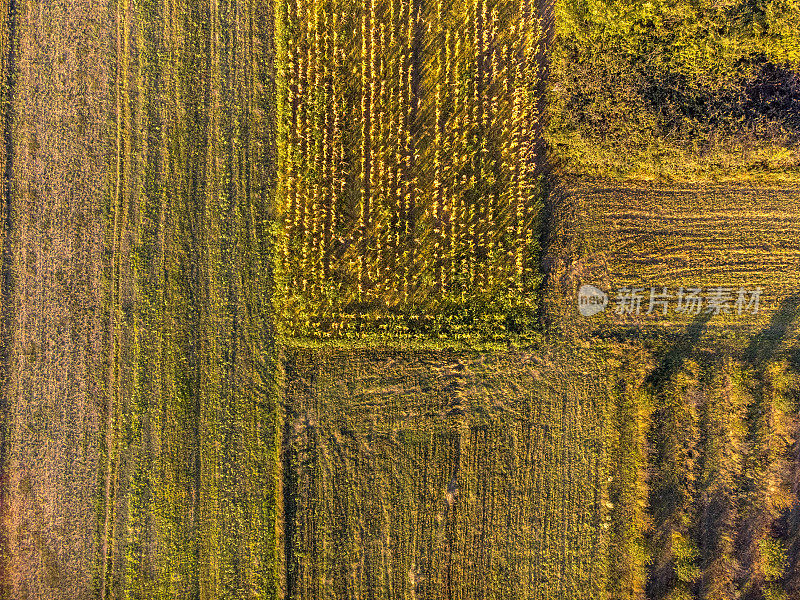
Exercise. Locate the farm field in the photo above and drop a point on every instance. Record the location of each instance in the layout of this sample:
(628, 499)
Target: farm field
(288, 311)
(434, 475)
(707, 236)
(586, 470)
(703, 486)
(408, 144)
(140, 436)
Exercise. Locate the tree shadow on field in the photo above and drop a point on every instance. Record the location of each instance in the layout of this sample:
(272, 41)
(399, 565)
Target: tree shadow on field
(564, 256)
(762, 347)
(765, 344)
(761, 350)
(794, 359)
(676, 356)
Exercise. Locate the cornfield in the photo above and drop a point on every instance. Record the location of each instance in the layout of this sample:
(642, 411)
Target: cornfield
(407, 163)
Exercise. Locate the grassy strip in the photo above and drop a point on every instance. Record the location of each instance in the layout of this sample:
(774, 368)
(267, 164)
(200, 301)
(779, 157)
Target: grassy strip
(733, 160)
(195, 419)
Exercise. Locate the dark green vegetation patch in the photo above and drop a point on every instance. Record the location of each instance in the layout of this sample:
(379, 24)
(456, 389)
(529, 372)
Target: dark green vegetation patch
(683, 90)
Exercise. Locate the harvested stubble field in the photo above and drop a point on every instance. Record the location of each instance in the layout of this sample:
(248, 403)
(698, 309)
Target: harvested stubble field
(589, 470)
(703, 235)
(445, 475)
